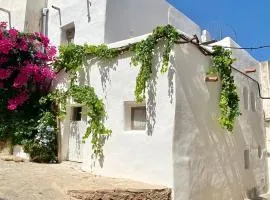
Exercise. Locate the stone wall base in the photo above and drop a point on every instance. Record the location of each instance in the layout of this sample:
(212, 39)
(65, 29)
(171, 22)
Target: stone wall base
(134, 194)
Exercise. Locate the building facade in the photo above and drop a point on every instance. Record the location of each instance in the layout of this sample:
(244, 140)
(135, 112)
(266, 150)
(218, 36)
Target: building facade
(173, 138)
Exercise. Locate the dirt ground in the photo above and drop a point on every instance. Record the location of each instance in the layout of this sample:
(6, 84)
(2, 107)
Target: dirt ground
(29, 181)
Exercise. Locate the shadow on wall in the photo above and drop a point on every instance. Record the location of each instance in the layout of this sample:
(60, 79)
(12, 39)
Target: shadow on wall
(210, 160)
(152, 86)
(105, 67)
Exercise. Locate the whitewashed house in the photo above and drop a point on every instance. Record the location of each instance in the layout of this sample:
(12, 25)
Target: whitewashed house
(173, 138)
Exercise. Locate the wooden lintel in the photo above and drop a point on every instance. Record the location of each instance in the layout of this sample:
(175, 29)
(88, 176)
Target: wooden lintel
(250, 70)
(211, 79)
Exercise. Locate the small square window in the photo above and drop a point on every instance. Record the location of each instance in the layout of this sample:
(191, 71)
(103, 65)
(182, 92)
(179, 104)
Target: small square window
(138, 118)
(68, 33)
(76, 114)
(134, 116)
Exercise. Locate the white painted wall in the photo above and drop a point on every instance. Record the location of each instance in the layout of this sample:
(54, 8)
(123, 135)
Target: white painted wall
(75, 11)
(17, 9)
(187, 150)
(33, 16)
(243, 59)
(265, 90)
(139, 155)
(129, 18)
(209, 160)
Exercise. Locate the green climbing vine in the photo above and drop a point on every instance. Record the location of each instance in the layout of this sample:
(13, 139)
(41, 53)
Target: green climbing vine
(72, 57)
(96, 112)
(229, 99)
(143, 53)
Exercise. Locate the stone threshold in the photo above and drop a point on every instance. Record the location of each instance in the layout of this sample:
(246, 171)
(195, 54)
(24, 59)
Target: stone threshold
(128, 194)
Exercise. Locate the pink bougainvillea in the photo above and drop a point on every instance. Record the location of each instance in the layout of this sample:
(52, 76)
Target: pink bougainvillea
(17, 101)
(24, 66)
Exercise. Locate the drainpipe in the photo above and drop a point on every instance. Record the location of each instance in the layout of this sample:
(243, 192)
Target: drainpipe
(59, 11)
(9, 16)
(88, 10)
(45, 12)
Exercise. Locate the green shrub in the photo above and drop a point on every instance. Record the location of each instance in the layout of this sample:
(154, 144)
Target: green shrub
(42, 148)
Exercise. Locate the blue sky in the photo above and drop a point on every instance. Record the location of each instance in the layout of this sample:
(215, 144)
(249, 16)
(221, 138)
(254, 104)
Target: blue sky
(247, 22)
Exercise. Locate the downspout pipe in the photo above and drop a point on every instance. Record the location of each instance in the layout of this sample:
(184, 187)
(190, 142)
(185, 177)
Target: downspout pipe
(257, 83)
(59, 12)
(9, 16)
(88, 10)
(45, 12)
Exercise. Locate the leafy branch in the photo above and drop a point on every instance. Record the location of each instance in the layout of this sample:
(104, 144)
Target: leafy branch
(229, 99)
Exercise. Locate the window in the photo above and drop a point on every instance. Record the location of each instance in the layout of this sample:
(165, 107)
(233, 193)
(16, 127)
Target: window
(245, 97)
(76, 114)
(252, 102)
(246, 158)
(68, 33)
(138, 118)
(134, 116)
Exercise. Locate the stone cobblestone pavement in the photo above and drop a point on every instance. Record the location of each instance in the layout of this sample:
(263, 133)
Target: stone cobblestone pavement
(32, 181)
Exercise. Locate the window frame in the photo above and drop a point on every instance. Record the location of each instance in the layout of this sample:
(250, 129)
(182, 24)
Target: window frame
(76, 116)
(132, 111)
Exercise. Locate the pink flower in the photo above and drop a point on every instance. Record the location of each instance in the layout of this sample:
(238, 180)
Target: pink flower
(3, 60)
(51, 51)
(43, 39)
(20, 80)
(23, 46)
(5, 46)
(5, 73)
(12, 107)
(13, 33)
(41, 56)
(17, 101)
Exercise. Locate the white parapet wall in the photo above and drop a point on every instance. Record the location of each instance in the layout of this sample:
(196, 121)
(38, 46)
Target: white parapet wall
(129, 18)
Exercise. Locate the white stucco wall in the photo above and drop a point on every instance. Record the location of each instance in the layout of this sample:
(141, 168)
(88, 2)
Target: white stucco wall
(33, 16)
(187, 150)
(129, 18)
(75, 11)
(17, 9)
(209, 160)
(265, 91)
(243, 59)
(138, 155)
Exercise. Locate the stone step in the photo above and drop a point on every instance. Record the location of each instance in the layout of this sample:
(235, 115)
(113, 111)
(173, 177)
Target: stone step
(131, 194)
